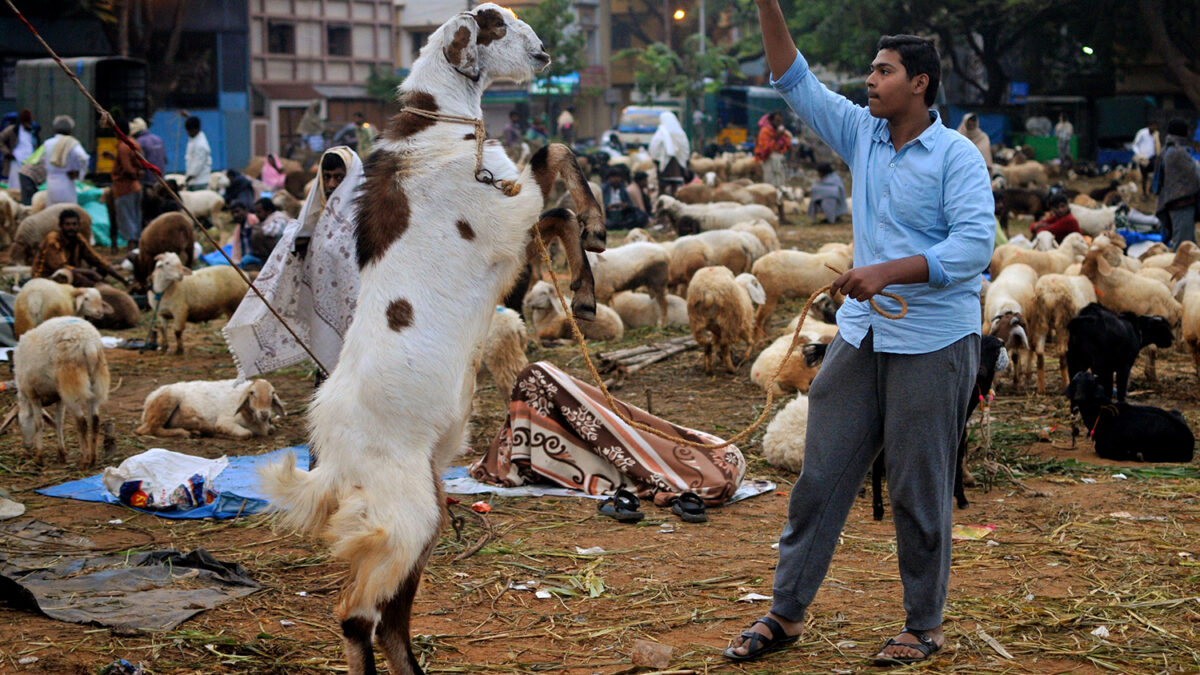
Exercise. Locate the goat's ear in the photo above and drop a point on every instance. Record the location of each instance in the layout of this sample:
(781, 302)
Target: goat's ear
(106, 308)
(462, 47)
(277, 404)
(244, 406)
(186, 270)
(1103, 266)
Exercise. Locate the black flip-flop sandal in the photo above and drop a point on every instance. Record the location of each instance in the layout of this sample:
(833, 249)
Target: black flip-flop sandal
(622, 507)
(761, 645)
(925, 645)
(689, 507)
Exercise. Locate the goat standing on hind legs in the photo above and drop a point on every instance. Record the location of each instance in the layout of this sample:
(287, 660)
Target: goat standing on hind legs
(437, 245)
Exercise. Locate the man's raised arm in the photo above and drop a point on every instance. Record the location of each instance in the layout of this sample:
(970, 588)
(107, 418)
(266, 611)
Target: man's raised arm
(781, 49)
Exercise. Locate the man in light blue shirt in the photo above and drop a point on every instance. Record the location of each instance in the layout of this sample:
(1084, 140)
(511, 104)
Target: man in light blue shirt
(923, 230)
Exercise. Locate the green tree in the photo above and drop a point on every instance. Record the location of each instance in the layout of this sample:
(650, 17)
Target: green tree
(658, 69)
(553, 21)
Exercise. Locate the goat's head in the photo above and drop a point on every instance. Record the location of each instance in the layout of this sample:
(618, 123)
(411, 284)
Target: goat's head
(540, 298)
(1009, 327)
(1085, 393)
(89, 303)
(825, 308)
(168, 269)
(488, 43)
(1155, 330)
(259, 404)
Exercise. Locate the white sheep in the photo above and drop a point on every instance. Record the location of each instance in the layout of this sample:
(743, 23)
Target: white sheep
(713, 216)
(1045, 241)
(629, 267)
(796, 274)
(687, 255)
(1123, 291)
(1094, 221)
(1190, 287)
(1010, 300)
(42, 299)
(639, 310)
(211, 408)
(1058, 298)
(503, 349)
(202, 203)
(763, 231)
(182, 296)
(796, 374)
(549, 322)
(783, 443)
(1022, 175)
(720, 311)
(62, 360)
(1071, 250)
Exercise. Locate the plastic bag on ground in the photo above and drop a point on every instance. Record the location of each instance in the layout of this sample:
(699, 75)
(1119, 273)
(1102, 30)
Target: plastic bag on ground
(162, 479)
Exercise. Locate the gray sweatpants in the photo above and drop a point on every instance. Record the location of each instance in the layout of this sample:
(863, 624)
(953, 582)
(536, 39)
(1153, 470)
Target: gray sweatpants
(915, 406)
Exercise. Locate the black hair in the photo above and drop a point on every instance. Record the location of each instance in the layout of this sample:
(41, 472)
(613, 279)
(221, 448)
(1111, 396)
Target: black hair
(122, 125)
(824, 169)
(267, 204)
(1177, 126)
(192, 124)
(1056, 199)
(68, 213)
(238, 203)
(332, 161)
(613, 171)
(640, 175)
(919, 57)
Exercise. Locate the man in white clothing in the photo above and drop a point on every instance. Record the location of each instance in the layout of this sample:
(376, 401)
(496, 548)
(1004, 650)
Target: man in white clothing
(1146, 146)
(198, 157)
(65, 160)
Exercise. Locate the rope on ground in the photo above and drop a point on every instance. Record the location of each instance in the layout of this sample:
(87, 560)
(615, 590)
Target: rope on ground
(106, 119)
(612, 402)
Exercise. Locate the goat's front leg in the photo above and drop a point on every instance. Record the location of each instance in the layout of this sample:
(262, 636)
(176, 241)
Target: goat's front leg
(558, 161)
(565, 226)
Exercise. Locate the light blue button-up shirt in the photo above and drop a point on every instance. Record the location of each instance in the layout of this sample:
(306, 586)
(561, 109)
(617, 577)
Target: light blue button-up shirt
(931, 198)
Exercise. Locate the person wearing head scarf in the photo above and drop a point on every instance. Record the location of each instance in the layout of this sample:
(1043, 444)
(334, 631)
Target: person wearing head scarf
(670, 150)
(153, 149)
(65, 161)
(969, 127)
(311, 278)
(1177, 183)
(17, 143)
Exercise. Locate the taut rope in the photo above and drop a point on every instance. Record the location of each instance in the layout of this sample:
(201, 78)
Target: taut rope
(612, 402)
(508, 187)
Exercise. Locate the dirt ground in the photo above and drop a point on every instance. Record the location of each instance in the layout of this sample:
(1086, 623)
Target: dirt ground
(1107, 546)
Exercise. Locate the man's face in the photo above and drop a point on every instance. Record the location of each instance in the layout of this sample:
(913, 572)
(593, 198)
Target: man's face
(888, 88)
(1061, 209)
(238, 213)
(192, 132)
(69, 226)
(260, 212)
(332, 178)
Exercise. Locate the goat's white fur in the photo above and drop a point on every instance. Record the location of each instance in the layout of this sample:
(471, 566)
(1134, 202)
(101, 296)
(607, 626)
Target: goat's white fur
(221, 407)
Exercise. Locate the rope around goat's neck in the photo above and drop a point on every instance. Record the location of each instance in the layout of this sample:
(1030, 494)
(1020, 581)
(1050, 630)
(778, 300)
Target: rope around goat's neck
(612, 402)
(508, 187)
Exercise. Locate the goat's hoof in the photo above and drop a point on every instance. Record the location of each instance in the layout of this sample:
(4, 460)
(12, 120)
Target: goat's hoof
(584, 312)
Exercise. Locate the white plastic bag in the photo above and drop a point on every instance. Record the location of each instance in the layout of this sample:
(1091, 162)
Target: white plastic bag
(162, 479)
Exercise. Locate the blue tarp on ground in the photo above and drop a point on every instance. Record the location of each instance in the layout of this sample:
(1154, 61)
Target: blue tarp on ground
(237, 485)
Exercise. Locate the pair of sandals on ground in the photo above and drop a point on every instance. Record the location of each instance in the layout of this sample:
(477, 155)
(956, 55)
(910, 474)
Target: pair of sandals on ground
(759, 645)
(624, 506)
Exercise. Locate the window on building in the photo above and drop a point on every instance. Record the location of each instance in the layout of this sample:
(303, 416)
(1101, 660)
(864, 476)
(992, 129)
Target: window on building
(281, 38)
(418, 37)
(337, 40)
(622, 33)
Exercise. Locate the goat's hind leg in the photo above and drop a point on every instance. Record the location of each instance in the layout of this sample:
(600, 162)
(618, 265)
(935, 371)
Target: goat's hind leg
(558, 161)
(394, 625)
(356, 634)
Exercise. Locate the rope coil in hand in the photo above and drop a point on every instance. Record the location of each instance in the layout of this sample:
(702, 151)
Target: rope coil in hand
(766, 411)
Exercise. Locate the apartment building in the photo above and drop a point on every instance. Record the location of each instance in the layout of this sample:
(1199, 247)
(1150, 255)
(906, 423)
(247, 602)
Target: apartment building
(315, 50)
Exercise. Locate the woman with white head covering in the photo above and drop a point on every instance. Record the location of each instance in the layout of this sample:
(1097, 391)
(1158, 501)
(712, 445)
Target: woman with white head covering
(670, 150)
(969, 127)
(311, 278)
(65, 160)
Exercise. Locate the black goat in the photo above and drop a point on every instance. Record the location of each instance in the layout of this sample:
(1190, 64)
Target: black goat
(1124, 432)
(1108, 343)
(992, 359)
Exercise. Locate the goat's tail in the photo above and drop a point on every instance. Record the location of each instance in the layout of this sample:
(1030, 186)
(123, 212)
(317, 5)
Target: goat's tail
(306, 502)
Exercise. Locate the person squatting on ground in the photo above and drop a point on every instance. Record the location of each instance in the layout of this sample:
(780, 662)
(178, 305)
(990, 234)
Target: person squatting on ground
(828, 195)
(1178, 186)
(923, 229)
(1058, 221)
(620, 212)
(771, 147)
(66, 248)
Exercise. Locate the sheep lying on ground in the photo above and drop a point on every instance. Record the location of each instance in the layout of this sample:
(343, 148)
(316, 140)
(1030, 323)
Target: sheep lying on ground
(629, 267)
(720, 311)
(794, 274)
(1124, 432)
(42, 299)
(783, 443)
(211, 408)
(1058, 299)
(1107, 344)
(34, 228)
(503, 352)
(688, 218)
(639, 310)
(797, 373)
(182, 296)
(170, 232)
(550, 323)
(121, 311)
(62, 360)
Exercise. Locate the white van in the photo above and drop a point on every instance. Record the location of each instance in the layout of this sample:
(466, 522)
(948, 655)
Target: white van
(639, 122)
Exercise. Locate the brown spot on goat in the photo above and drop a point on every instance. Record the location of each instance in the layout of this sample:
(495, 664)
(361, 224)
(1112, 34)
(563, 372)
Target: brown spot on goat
(454, 51)
(399, 314)
(383, 209)
(469, 137)
(491, 27)
(407, 123)
(465, 230)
